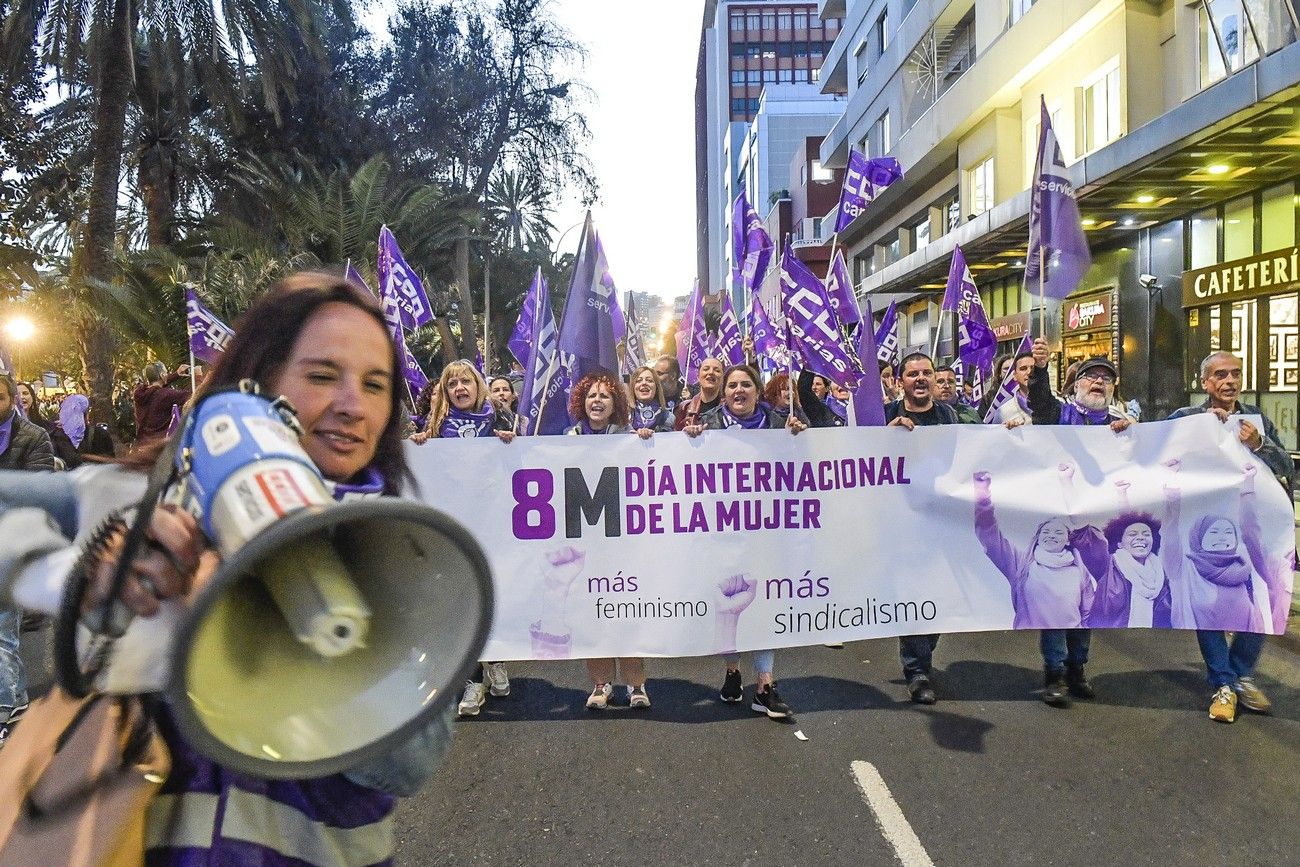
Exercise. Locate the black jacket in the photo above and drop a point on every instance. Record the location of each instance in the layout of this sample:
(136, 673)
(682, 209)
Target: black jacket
(819, 414)
(29, 447)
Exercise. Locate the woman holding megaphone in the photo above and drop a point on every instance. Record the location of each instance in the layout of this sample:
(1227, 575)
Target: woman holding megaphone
(321, 343)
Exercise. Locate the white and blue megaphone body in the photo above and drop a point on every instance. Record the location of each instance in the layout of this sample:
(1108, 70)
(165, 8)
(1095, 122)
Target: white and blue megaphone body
(332, 631)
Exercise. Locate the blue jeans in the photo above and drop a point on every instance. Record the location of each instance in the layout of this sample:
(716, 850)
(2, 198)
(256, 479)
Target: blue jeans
(1064, 647)
(1224, 665)
(764, 661)
(13, 678)
(916, 652)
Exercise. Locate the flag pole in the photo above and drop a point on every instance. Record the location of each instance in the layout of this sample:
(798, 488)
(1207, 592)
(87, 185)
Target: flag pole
(192, 384)
(1042, 303)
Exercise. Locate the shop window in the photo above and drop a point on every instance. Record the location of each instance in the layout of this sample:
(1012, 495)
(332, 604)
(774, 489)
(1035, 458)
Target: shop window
(1243, 343)
(1205, 239)
(1277, 218)
(1239, 229)
(1283, 343)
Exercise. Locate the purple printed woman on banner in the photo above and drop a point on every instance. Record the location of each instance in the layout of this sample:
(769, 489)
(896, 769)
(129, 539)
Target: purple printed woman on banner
(1135, 590)
(1053, 581)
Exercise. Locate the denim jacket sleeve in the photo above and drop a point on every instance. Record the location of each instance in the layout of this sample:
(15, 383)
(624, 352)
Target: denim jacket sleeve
(403, 771)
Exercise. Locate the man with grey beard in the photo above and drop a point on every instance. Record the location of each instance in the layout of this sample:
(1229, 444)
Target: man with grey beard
(1065, 651)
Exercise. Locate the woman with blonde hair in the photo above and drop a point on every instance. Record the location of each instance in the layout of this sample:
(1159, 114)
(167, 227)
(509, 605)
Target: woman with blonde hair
(461, 407)
(647, 407)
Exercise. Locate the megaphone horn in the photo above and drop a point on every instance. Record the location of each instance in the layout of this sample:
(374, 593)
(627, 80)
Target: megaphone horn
(331, 632)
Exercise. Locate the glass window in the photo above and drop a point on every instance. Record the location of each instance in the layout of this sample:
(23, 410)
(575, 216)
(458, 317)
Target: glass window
(1239, 229)
(737, 76)
(815, 49)
(1019, 8)
(753, 50)
(1205, 239)
(769, 76)
(1243, 341)
(753, 106)
(801, 76)
(1101, 110)
(886, 135)
(815, 73)
(1277, 218)
(737, 22)
(769, 20)
(751, 20)
(784, 49)
(787, 75)
(979, 187)
(921, 234)
(821, 174)
(783, 21)
(1283, 343)
(801, 21)
(738, 106)
(737, 49)
(801, 49)
(754, 76)
(882, 33)
(832, 25)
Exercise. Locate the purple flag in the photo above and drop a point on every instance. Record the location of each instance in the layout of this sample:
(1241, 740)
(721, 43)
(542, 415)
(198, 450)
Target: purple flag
(588, 339)
(411, 371)
(521, 338)
(730, 346)
(399, 281)
(868, 397)
(1009, 387)
(175, 420)
(209, 336)
(543, 381)
(692, 338)
(813, 329)
(1057, 242)
(887, 336)
(840, 289)
(634, 341)
(976, 342)
(864, 179)
(769, 340)
(751, 245)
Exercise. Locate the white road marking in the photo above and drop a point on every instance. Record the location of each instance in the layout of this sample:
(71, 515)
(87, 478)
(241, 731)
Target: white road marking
(889, 816)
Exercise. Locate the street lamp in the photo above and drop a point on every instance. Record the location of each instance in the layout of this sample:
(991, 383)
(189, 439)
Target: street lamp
(555, 253)
(19, 329)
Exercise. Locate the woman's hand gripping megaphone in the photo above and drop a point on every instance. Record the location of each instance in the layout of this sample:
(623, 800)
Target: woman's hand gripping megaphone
(174, 560)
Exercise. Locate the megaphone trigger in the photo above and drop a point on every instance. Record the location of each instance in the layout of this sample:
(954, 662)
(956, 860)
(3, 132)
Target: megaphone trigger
(312, 589)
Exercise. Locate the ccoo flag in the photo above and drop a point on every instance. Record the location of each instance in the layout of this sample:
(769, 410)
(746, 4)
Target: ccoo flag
(864, 179)
(692, 338)
(840, 289)
(398, 281)
(634, 342)
(769, 339)
(887, 336)
(814, 332)
(541, 369)
(521, 338)
(208, 334)
(976, 342)
(730, 346)
(868, 397)
(1057, 243)
(1007, 390)
(411, 372)
(751, 245)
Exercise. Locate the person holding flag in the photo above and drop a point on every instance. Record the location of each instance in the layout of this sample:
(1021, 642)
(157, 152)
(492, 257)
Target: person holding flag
(155, 398)
(976, 342)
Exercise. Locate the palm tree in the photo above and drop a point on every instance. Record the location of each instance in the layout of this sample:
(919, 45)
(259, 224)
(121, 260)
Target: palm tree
(517, 213)
(93, 46)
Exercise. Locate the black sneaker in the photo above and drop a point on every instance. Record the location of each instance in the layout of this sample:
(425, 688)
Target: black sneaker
(1078, 683)
(1055, 691)
(922, 690)
(732, 690)
(768, 701)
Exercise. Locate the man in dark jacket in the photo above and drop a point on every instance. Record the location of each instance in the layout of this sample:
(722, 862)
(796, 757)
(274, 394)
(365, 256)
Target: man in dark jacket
(1231, 670)
(1065, 651)
(155, 398)
(917, 406)
(947, 393)
(23, 446)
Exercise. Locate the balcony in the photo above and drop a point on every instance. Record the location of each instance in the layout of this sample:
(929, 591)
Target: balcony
(831, 8)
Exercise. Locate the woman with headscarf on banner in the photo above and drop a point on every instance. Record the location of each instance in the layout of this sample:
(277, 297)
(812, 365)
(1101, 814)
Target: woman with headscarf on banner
(648, 407)
(1053, 581)
(1135, 591)
(1219, 589)
(740, 409)
(689, 412)
(461, 408)
(599, 403)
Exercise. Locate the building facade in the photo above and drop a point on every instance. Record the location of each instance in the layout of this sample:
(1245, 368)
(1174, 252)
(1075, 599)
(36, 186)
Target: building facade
(1181, 124)
(748, 49)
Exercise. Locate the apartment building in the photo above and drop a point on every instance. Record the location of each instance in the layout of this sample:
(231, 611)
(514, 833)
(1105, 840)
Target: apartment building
(1181, 121)
(749, 49)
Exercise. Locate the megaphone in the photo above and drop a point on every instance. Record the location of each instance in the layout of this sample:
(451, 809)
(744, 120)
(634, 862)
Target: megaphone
(332, 631)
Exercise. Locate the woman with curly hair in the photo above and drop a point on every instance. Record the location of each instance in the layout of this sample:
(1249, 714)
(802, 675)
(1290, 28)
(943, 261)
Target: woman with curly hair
(599, 404)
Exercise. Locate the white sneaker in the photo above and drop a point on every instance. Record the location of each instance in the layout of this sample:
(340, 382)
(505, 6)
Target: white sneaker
(497, 678)
(473, 699)
(637, 697)
(599, 697)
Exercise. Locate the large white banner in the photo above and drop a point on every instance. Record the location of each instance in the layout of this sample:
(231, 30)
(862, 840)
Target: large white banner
(614, 546)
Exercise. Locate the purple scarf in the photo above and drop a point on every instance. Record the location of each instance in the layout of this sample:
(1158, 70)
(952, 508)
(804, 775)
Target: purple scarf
(370, 484)
(460, 423)
(756, 421)
(837, 406)
(6, 431)
(645, 415)
(1221, 568)
(584, 427)
(1073, 413)
(72, 417)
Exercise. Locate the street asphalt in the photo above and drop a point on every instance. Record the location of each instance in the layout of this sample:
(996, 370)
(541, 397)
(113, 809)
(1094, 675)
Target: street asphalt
(990, 775)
